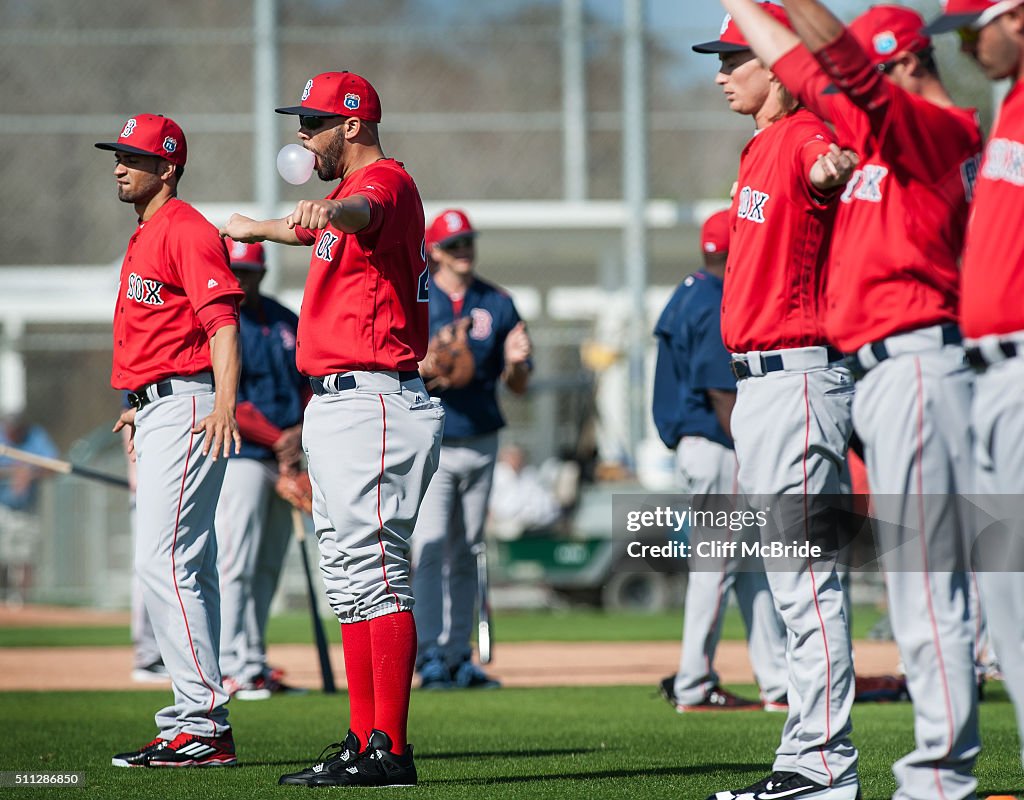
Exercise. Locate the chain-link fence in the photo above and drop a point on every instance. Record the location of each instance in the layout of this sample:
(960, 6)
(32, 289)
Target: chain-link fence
(474, 97)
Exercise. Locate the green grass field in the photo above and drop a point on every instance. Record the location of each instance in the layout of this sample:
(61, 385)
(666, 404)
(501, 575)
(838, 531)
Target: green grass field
(617, 742)
(512, 626)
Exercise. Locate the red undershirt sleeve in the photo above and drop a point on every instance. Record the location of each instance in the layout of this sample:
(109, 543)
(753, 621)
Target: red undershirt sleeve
(255, 427)
(218, 313)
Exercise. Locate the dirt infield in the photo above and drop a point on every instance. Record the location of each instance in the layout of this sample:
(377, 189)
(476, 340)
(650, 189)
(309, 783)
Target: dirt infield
(518, 664)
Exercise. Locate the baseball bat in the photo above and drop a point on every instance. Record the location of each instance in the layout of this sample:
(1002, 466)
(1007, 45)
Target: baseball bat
(326, 672)
(63, 467)
(484, 631)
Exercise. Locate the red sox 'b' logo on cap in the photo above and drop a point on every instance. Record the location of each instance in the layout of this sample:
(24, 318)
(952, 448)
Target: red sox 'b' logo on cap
(308, 89)
(453, 221)
(129, 126)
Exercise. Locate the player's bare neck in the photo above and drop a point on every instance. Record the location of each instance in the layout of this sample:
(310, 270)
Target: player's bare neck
(361, 156)
(147, 209)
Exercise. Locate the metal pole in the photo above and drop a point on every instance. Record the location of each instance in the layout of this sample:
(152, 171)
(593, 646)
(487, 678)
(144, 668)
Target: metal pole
(574, 102)
(265, 146)
(634, 234)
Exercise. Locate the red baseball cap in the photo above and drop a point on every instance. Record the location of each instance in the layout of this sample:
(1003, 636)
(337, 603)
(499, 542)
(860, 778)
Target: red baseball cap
(151, 135)
(957, 14)
(730, 40)
(714, 235)
(884, 31)
(449, 224)
(246, 255)
(337, 94)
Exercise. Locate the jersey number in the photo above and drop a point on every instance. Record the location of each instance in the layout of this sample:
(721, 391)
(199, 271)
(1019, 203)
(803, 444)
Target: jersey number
(421, 283)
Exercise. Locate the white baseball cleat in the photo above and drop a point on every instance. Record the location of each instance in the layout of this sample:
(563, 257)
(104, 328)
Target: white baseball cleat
(791, 786)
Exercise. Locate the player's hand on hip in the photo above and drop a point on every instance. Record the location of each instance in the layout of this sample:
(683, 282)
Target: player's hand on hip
(312, 214)
(127, 420)
(241, 229)
(834, 168)
(219, 429)
(518, 346)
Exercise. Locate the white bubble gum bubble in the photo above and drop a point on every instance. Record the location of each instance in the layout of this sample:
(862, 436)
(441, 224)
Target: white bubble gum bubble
(295, 164)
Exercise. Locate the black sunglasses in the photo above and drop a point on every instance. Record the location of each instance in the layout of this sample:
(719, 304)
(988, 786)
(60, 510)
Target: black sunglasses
(312, 123)
(458, 244)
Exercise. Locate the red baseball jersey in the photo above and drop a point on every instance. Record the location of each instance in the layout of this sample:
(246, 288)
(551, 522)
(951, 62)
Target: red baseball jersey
(365, 305)
(779, 243)
(993, 264)
(175, 266)
(901, 220)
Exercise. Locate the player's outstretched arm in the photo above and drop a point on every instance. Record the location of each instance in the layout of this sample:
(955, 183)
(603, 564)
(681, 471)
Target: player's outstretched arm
(220, 427)
(349, 214)
(816, 26)
(243, 229)
(833, 169)
(768, 37)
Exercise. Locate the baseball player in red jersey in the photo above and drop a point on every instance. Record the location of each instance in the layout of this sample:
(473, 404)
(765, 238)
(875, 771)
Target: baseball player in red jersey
(372, 434)
(892, 304)
(791, 421)
(175, 340)
(992, 316)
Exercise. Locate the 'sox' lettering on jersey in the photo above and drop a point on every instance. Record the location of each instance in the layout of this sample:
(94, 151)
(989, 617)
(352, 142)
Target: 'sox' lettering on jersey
(866, 184)
(323, 247)
(144, 290)
(1004, 161)
(752, 203)
(969, 174)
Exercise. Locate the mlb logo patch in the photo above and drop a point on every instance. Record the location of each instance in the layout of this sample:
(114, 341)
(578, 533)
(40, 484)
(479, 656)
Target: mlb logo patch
(170, 144)
(351, 101)
(884, 43)
(308, 89)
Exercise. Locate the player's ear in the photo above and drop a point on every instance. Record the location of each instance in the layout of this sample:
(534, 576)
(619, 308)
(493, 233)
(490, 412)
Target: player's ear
(167, 170)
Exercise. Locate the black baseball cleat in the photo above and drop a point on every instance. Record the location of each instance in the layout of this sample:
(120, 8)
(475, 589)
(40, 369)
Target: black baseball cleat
(790, 786)
(189, 750)
(140, 757)
(375, 766)
(343, 753)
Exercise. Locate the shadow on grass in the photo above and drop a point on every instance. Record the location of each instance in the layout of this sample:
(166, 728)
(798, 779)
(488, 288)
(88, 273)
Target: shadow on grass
(608, 774)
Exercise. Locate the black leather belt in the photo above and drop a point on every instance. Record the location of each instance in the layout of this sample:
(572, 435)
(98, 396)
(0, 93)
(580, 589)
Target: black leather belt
(140, 399)
(348, 381)
(976, 358)
(950, 335)
(774, 363)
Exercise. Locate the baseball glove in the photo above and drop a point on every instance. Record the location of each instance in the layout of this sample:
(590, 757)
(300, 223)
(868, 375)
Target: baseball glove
(449, 363)
(296, 489)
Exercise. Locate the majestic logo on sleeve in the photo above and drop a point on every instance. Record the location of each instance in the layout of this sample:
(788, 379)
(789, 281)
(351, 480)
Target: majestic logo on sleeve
(1004, 161)
(752, 205)
(324, 248)
(144, 290)
(129, 128)
(866, 184)
(969, 175)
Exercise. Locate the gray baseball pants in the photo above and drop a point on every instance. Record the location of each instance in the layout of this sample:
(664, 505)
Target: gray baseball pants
(791, 429)
(450, 527)
(372, 450)
(910, 412)
(253, 530)
(176, 555)
(997, 417)
(706, 467)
